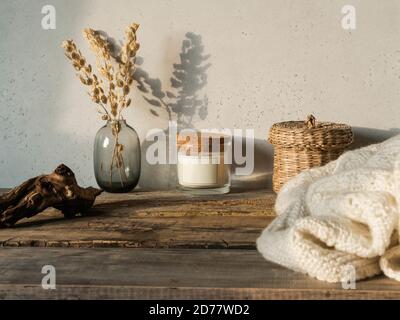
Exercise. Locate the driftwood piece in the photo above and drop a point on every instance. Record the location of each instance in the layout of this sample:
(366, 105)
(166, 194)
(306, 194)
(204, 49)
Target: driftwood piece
(58, 189)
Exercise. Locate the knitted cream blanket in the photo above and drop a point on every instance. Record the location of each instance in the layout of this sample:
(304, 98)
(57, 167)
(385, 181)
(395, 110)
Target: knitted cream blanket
(344, 213)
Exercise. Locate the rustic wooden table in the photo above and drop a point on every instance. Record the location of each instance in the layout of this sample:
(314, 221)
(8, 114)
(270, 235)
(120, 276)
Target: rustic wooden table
(163, 245)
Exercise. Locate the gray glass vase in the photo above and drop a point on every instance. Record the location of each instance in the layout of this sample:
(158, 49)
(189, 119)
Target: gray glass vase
(117, 157)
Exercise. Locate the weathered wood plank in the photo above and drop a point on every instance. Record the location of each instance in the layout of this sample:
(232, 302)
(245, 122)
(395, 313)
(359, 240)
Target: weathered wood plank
(194, 232)
(178, 204)
(167, 274)
(165, 219)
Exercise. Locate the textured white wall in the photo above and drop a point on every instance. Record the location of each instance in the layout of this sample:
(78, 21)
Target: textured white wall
(271, 60)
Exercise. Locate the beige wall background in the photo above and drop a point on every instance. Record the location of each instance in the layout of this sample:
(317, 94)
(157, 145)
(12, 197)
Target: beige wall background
(270, 60)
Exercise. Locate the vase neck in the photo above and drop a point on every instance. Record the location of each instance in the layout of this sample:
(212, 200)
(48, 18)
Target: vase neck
(121, 122)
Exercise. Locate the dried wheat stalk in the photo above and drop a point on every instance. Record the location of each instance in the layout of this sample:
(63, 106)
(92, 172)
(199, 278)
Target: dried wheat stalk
(114, 94)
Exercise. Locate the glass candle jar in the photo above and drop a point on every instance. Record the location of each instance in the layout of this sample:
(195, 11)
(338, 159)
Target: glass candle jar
(204, 163)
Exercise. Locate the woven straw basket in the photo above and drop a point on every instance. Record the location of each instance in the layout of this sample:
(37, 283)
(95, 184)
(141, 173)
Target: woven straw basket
(300, 145)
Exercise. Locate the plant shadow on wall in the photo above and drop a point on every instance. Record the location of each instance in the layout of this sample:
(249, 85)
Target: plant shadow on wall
(183, 103)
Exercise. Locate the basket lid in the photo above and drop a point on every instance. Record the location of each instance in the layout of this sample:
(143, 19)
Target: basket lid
(310, 134)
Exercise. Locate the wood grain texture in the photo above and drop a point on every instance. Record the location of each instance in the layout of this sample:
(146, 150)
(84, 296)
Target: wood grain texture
(167, 219)
(167, 274)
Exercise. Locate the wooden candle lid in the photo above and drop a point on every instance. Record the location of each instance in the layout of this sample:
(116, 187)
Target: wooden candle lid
(193, 142)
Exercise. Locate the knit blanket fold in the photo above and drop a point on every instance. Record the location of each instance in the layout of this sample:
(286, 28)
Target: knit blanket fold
(343, 214)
